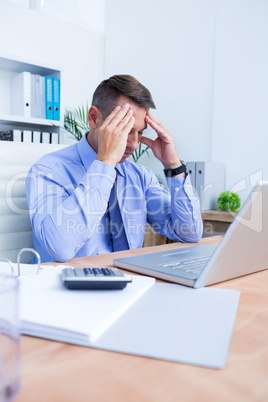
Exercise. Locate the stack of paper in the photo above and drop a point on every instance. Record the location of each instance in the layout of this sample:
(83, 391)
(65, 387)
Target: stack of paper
(50, 310)
(25, 269)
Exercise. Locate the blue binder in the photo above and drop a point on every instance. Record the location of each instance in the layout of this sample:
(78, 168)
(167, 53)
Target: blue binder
(56, 99)
(49, 98)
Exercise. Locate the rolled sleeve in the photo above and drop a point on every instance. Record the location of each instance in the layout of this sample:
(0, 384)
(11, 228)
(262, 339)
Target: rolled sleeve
(185, 209)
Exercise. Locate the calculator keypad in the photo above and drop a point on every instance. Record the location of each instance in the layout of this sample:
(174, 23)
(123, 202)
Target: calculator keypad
(94, 278)
(91, 272)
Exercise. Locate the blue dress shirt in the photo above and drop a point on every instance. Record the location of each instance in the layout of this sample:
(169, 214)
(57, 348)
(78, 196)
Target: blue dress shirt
(68, 193)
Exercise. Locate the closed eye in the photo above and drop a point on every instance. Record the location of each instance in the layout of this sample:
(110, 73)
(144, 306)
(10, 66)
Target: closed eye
(141, 131)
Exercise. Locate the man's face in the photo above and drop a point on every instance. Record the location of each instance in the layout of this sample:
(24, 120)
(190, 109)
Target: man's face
(139, 126)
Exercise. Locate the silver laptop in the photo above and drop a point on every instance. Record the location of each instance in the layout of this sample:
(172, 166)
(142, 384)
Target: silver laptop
(243, 250)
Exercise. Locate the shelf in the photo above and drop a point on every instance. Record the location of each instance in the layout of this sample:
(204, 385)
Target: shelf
(9, 67)
(27, 123)
(18, 66)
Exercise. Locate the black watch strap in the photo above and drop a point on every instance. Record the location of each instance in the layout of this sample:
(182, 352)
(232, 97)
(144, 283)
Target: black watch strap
(176, 171)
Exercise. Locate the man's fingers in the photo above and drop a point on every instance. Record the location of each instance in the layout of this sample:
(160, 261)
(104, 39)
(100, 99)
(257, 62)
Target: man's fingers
(158, 127)
(155, 126)
(118, 115)
(111, 116)
(125, 119)
(146, 141)
(128, 126)
(152, 123)
(154, 119)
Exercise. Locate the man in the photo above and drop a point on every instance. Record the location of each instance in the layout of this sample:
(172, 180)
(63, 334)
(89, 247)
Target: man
(89, 199)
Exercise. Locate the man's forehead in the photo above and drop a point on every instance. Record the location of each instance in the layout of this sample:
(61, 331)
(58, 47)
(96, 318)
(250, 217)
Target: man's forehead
(123, 99)
(140, 123)
(139, 112)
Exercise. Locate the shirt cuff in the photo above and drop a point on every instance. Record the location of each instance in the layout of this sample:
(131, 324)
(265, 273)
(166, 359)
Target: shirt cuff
(176, 184)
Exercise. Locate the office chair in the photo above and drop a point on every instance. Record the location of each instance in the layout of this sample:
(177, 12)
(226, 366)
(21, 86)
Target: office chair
(16, 158)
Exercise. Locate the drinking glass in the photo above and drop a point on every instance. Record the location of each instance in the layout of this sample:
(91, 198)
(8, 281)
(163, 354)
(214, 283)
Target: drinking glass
(9, 337)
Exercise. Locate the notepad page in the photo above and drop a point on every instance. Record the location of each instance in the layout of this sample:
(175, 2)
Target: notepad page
(25, 269)
(179, 324)
(46, 306)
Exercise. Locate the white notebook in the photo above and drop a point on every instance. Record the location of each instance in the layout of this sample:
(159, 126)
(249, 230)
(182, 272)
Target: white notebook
(48, 309)
(158, 320)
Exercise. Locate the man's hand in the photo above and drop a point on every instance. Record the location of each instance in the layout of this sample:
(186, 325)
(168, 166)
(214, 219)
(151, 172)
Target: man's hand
(163, 146)
(113, 133)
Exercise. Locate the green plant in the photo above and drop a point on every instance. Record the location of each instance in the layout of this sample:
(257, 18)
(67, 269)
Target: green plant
(228, 200)
(139, 152)
(76, 122)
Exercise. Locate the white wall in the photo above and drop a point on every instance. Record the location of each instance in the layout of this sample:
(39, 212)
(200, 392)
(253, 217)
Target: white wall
(240, 119)
(206, 65)
(169, 46)
(42, 39)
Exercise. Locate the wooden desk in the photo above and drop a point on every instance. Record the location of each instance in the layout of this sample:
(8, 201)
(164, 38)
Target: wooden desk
(54, 371)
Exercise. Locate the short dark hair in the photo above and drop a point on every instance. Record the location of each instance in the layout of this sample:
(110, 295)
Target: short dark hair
(106, 95)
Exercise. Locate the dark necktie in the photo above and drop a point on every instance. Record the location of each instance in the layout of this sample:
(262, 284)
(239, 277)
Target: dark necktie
(117, 230)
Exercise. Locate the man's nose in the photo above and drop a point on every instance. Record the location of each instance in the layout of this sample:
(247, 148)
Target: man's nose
(133, 141)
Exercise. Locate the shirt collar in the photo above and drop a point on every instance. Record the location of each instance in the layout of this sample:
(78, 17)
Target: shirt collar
(120, 169)
(87, 155)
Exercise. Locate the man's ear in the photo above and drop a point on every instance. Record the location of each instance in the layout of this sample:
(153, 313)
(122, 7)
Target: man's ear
(93, 117)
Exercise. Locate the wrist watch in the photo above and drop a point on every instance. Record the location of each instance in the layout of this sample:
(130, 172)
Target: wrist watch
(175, 171)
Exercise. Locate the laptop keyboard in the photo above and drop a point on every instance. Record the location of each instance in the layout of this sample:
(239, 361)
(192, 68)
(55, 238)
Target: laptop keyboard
(195, 266)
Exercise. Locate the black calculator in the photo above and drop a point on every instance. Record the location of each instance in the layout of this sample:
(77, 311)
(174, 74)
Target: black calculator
(94, 278)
